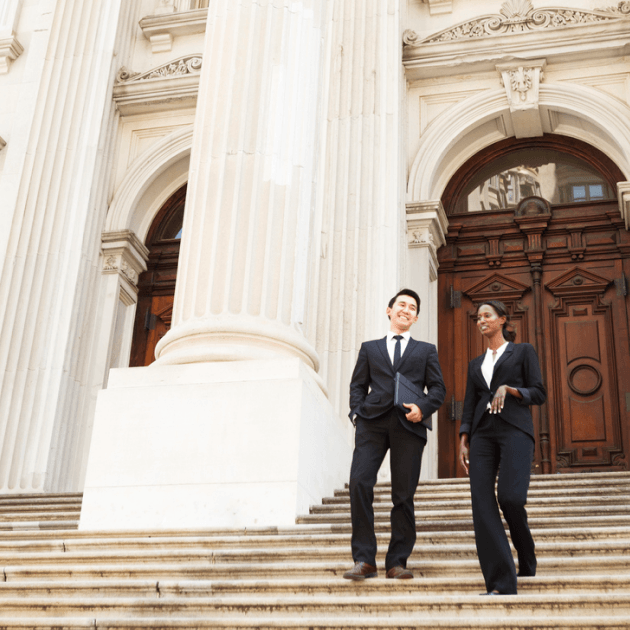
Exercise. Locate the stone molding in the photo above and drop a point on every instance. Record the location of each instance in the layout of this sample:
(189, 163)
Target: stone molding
(173, 85)
(439, 7)
(432, 166)
(520, 16)
(124, 254)
(162, 29)
(427, 225)
(10, 50)
(439, 56)
(522, 82)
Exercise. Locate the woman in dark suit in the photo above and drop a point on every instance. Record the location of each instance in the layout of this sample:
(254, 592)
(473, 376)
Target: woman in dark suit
(497, 436)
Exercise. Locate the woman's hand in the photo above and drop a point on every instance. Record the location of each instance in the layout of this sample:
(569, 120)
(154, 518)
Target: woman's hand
(498, 402)
(499, 399)
(464, 451)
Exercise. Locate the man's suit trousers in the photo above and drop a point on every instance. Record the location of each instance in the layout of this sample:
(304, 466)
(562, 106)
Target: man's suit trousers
(372, 440)
(497, 446)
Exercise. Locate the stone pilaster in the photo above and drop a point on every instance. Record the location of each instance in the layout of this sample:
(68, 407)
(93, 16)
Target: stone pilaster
(242, 279)
(124, 259)
(623, 195)
(426, 233)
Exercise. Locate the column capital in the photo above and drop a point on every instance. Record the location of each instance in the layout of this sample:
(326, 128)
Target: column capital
(124, 254)
(426, 228)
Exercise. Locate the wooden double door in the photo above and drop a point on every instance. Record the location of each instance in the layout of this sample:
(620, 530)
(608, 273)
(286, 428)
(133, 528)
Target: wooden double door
(562, 273)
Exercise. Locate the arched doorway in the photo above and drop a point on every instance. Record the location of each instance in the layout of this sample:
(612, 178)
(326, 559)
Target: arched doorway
(156, 286)
(535, 223)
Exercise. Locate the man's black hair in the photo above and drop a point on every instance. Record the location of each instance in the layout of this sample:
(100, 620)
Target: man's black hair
(408, 292)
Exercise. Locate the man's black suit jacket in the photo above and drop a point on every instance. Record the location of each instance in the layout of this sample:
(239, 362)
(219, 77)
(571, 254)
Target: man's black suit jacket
(517, 367)
(372, 384)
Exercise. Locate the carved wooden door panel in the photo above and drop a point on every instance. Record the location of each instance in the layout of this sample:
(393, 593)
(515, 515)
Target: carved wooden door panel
(566, 296)
(588, 365)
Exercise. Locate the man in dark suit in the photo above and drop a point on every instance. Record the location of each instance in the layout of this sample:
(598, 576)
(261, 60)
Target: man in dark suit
(381, 426)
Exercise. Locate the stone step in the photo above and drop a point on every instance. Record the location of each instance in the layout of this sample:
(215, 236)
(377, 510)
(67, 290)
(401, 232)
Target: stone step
(594, 492)
(49, 524)
(541, 584)
(280, 555)
(39, 516)
(589, 503)
(381, 512)
(402, 605)
(574, 563)
(324, 540)
(507, 622)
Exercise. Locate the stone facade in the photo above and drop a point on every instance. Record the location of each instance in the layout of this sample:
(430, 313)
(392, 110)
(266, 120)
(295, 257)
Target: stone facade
(317, 138)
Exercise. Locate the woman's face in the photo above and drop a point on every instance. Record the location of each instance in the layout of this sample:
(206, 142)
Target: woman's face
(488, 322)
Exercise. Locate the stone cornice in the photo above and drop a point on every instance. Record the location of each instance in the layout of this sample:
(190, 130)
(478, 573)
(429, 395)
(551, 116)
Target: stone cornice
(519, 16)
(160, 30)
(520, 32)
(10, 50)
(173, 85)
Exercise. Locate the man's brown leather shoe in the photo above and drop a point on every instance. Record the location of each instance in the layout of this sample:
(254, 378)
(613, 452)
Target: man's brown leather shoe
(360, 571)
(399, 573)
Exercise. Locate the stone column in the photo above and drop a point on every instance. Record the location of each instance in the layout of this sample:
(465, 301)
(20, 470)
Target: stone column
(426, 233)
(53, 192)
(231, 426)
(242, 280)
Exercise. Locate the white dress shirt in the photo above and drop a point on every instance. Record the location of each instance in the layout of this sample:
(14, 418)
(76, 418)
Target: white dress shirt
(487, 367)
(391, 344)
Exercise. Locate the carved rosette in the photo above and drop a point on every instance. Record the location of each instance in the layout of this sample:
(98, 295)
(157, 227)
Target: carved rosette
(187, 65)
(519, 16)
(124, 254)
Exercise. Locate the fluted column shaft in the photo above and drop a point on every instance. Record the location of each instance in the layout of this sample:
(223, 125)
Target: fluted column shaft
(53, 189)
(360, 263)
(243, 269)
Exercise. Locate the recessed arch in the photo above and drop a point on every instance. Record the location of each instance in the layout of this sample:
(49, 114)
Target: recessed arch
(151, 180)
(473, 124)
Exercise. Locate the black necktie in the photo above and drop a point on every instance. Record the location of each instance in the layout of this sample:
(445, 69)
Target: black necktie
(397, 349)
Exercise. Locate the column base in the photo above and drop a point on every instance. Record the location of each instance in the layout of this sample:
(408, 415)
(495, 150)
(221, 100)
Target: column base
(245, 443)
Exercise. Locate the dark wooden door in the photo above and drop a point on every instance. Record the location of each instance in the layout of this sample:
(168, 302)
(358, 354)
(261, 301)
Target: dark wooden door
(156, 286)
(561, 270)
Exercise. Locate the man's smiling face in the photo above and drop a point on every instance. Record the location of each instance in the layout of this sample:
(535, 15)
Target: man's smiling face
(403, 314)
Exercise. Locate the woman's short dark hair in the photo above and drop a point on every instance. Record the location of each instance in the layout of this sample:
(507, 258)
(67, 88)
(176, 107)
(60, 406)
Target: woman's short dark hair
(501, 310)
(408, 292)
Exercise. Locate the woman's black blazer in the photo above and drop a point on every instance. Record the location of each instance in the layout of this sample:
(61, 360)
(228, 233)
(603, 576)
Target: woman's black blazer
(517, 367)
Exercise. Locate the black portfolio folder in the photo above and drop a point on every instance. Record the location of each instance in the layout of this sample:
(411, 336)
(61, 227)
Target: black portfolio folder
(406, 392)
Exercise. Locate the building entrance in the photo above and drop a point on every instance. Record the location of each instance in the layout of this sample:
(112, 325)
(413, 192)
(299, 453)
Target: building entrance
(535, 223)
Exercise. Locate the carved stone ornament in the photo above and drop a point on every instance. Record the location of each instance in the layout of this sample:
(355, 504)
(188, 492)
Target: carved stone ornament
(119, 264)
(519, 16)
(190, 64)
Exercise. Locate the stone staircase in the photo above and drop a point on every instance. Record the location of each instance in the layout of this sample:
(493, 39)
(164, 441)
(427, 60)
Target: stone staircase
(57, 577)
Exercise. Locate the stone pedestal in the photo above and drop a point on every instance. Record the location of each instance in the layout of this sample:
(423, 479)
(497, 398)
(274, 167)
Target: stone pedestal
(240, 444)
